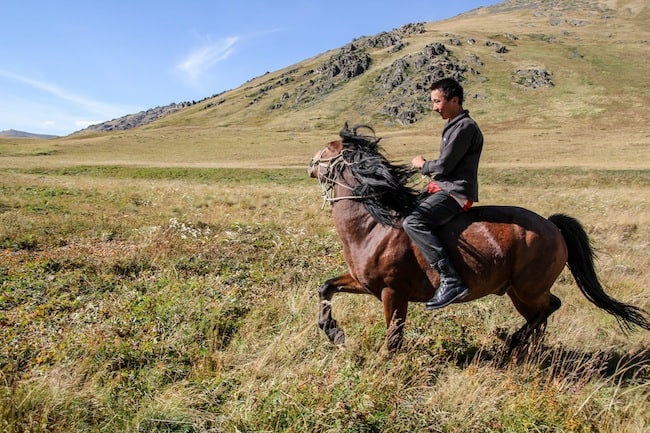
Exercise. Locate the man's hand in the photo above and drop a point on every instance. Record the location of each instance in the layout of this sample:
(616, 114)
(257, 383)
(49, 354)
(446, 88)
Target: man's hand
(418, 162)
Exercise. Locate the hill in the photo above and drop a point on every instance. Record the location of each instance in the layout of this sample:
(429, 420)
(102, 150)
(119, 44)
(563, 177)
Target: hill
(544, 73)
(12, 133)
(389, 71)
(137, 119)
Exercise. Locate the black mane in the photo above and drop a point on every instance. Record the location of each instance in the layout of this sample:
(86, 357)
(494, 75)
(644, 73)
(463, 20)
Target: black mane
(383, 186)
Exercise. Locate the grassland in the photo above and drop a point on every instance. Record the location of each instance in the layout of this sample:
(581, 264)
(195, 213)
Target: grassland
(163, 299)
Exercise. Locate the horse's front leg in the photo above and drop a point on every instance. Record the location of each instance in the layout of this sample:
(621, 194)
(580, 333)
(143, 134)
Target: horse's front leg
(344, 283)
(395, 309)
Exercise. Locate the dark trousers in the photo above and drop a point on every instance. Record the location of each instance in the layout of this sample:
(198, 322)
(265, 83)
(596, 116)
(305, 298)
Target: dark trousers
(422, 224)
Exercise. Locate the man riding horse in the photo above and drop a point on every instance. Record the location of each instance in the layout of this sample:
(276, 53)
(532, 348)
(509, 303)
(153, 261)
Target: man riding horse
(453, 189)
(500, 250)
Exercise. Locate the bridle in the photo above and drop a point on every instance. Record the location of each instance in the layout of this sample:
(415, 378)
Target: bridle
(333, 168)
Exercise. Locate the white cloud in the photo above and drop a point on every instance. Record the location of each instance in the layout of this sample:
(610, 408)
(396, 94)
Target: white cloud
(199, 61)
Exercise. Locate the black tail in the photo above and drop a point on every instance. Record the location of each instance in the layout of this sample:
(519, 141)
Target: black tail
(581, 264)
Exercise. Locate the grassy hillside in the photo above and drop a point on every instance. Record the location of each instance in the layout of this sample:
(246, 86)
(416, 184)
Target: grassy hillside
(596, 52)
(164, 279)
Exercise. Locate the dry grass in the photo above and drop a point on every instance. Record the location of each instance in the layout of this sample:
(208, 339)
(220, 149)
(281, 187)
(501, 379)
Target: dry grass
(132, 301)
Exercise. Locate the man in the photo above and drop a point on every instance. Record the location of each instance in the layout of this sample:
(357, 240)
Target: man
(453, 189)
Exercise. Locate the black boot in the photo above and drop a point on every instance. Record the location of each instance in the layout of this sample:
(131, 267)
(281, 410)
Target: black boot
(451, 286)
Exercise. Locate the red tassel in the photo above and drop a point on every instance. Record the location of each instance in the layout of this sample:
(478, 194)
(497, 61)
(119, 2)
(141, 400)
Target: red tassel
(433, 188)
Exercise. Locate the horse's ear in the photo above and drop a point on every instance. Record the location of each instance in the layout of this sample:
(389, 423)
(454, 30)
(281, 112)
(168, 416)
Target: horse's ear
(355, 128)
(345, 132)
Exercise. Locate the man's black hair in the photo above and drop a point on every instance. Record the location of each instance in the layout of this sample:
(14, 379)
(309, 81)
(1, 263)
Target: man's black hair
(450, 88)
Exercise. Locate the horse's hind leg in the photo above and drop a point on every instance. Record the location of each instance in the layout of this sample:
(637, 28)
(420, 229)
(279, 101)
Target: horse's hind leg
(536, 312)
(343, 283)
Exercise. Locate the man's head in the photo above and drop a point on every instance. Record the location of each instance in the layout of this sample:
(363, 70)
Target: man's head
(447, 98)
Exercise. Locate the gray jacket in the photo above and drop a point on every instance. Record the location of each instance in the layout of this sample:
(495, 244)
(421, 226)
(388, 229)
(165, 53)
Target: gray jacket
(456, 170)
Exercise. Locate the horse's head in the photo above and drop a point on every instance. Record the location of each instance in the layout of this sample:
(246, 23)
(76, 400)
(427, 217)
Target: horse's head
(353, 168)
(321, 163)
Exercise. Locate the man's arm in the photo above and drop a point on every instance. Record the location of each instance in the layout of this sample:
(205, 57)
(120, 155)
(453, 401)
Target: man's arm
(457, 145)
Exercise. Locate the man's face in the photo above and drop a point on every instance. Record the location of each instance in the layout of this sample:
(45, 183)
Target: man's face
(446, 108)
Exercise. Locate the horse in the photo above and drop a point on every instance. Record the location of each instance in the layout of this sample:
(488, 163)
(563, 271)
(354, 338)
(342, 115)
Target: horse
(496, 249)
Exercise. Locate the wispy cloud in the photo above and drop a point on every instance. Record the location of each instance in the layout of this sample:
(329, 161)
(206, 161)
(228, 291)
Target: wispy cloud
(199, 61)
(66, 113)
(52, 89)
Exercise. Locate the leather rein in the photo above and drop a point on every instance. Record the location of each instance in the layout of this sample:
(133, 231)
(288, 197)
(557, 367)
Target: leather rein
(334, 167)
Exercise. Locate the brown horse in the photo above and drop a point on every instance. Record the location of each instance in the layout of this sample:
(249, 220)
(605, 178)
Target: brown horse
(496, 249)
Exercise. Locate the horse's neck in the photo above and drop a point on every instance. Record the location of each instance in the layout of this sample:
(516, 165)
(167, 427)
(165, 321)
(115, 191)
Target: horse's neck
(350, 216)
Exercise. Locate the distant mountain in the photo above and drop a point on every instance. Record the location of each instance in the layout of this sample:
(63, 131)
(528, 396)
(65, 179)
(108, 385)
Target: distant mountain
(12, 133)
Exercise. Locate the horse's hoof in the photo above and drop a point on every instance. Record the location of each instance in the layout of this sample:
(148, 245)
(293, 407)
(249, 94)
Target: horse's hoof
(502, 334)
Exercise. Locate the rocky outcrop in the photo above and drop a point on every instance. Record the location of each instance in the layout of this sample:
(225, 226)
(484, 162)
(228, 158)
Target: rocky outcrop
(349, 62)
(532, 78)
(138, 119)
(405, 83)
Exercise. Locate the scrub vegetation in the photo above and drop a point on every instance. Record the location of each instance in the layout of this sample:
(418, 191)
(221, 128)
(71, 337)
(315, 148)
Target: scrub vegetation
(135, 300)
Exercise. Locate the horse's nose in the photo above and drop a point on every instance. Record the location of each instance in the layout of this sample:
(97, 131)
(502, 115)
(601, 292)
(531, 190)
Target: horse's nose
(310, 169)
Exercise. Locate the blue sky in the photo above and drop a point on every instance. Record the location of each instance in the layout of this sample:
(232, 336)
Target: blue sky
(67, 64)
